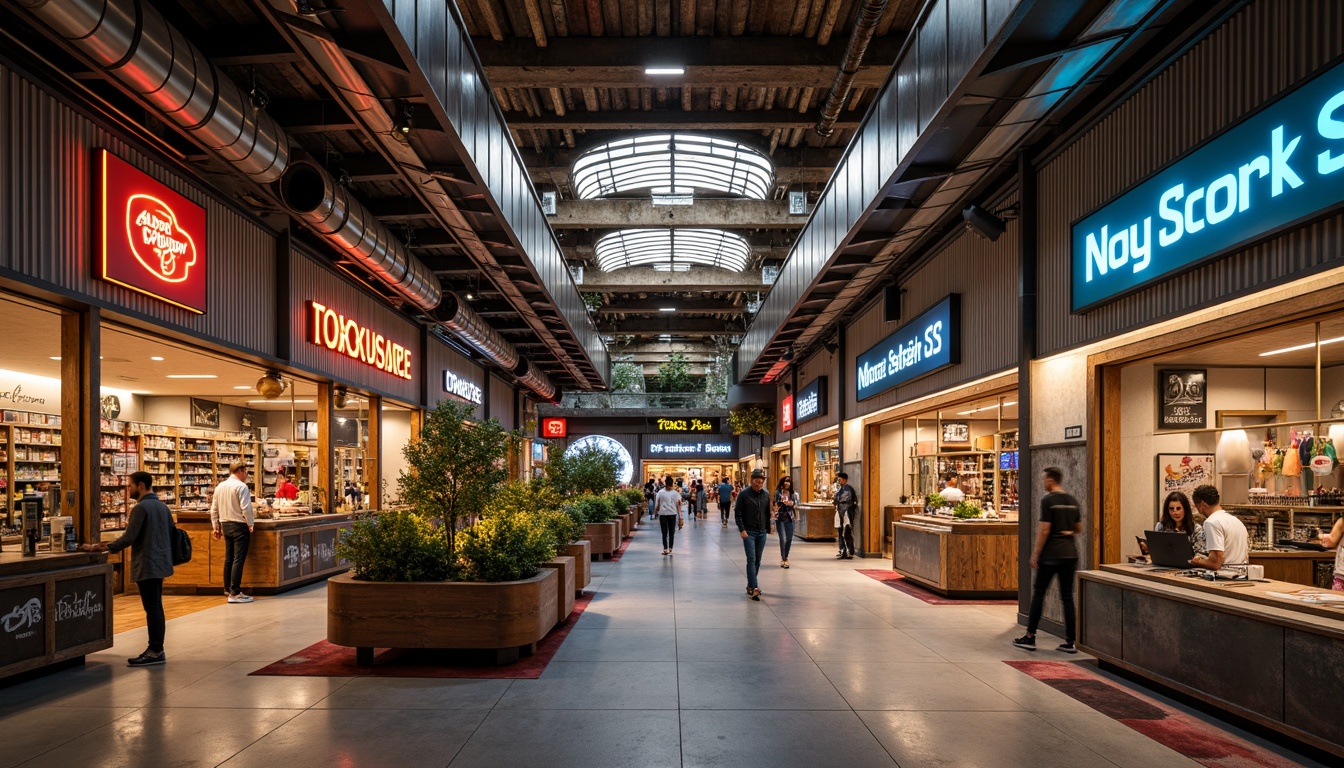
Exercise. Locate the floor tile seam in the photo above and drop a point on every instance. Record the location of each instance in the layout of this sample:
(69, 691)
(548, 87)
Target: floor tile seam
(254, 742)
(82, 734)
(477, 729)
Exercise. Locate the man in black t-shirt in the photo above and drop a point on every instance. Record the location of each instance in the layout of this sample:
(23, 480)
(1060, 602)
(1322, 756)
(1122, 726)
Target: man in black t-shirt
(1054, 554)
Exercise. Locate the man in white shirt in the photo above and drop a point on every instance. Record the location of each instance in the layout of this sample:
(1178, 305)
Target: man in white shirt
(1224, 535)
(952, 494)
(231, 519)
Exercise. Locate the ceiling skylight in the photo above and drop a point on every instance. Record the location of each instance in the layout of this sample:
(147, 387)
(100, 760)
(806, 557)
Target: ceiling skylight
(673, 164)
(672, 250)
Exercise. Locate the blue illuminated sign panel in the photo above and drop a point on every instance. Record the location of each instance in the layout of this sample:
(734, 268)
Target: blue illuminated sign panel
(681, 447)
(811, 401)
(929, 343)
(1278, 167)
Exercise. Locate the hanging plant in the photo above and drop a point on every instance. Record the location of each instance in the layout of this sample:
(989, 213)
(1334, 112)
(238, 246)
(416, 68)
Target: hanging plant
(752, 420)
(593, 301)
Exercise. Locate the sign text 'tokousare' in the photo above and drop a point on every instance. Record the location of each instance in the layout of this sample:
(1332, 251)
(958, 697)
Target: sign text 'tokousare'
(332, 330)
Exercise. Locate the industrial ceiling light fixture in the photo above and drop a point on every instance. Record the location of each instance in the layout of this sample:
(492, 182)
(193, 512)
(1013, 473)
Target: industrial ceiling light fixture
(271, 385)
(404, 121)
(342, 396)
(665, 70)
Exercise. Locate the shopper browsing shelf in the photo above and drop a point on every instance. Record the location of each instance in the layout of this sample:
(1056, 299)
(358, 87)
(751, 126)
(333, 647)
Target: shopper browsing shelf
(1224, 535)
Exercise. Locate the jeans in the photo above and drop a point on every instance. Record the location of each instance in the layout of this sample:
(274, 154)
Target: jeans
(785, 530)
(650, 507)
(1048, 570)
(754, 544)
(723, 511)
(151, 597)
(668, 523)
(236, 540)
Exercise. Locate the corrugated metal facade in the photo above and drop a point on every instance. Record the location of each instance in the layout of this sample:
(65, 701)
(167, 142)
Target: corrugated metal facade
(820, 364)
(310, 281)
(46, 204)
(501, 402)
(986, 276)
(1258, 54)
(439, 358)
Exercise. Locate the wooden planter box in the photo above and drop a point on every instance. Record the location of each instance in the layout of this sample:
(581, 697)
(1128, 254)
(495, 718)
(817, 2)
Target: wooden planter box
(602, 536)
(508, 617)
(564, 602)
(582, 552)
(624, 520)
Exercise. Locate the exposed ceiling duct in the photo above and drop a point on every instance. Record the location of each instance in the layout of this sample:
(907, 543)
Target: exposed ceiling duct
(472, 329)
(865, 24)
(536, 380)
(135, 44)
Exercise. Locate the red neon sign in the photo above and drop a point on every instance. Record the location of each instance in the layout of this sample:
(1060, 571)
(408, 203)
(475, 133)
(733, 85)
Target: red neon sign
(554, 428)
(786, 414)
(152, 238)
(329, 329)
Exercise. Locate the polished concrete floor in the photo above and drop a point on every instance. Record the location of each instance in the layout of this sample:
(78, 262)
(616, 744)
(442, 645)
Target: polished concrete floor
(671, 665)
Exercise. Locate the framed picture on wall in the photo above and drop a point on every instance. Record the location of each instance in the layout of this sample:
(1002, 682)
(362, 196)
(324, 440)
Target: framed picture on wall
(1182, 472)
(305, 430)
(956, 433)
(1184, 399)
(204, 413)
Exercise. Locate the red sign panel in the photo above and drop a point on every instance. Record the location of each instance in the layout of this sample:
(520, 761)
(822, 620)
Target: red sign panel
(152, 240)
(786, 414)
(554, 428)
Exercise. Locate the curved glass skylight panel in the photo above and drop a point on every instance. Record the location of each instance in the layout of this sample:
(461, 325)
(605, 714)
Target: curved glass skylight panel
(672, 250)
(673, 164)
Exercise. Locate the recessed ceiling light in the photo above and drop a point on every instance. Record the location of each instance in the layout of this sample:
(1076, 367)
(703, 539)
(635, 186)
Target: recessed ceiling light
(56, 357)
(157, 359)
(192, 376)
(243, 386)
(664, 70)
(279, 402)
(667, 309)
(1300, 347)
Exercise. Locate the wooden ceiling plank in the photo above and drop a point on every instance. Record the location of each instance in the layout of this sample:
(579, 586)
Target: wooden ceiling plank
(828, 21)
(534, 21)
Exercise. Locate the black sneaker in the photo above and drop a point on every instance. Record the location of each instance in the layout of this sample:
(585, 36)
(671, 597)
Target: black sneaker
(1026, 641)
(148, 659)
(1066, 648)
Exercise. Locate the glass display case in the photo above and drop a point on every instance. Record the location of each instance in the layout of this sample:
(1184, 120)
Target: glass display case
(825, 460)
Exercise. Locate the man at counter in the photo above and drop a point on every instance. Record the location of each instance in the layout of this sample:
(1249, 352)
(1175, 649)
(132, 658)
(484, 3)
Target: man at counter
(952, 492)
(231, 519)
(1224, 535)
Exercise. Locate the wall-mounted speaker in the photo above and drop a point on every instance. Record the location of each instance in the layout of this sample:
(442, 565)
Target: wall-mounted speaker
(891, 303)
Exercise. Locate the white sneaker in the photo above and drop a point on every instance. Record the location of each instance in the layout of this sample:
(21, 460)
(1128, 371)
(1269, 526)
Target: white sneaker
(239, 598)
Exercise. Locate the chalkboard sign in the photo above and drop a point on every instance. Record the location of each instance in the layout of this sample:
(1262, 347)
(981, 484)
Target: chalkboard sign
(1184, 400)
(79, 611)
(324, 550)
(22, 611)
(291, 550)
(306, 554)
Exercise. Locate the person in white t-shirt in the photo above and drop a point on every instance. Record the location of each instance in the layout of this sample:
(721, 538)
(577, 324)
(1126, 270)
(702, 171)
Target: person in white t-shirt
(1224, 535)
(951, 493)
(668, 506)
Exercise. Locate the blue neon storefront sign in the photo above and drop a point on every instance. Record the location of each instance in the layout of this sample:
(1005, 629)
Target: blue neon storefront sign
(811, 401)
(929, 343)
(1280, 166)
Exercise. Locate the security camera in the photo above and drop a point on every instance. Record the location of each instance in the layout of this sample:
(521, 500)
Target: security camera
(983, 223)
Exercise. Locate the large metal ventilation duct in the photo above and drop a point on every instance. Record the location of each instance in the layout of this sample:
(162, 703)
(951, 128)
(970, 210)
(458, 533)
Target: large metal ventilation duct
(314, 196)
(865, 24)
(134, 43)
(472, 329)
(535, 380)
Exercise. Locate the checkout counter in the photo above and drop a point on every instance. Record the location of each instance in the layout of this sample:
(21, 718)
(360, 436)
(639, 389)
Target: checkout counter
(54, 607)
(287, 551)
(815, 521)
(1268, 651)
(957, 558)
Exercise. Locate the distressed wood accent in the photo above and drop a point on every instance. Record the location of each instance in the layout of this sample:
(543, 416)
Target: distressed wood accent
(965, 560)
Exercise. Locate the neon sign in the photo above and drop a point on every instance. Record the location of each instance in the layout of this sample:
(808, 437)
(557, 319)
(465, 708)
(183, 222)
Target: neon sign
(554, 427)
(811, 401)
(686, 425)
(152, 239)
(1270, 171)
(459, 387)
(338, 333)
(928, 343)
(786, 414)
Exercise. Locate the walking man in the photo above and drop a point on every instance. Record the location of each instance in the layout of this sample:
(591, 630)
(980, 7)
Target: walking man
(845, 502)
(231, 519)
(1054, 554)
(752, 514)
(149, 534)
(725, 500)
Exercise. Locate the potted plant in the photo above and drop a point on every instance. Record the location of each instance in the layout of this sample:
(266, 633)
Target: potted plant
(627, 385)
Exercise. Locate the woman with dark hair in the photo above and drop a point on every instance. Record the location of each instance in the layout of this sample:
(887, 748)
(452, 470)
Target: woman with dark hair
(1178, 516)
(786, 504)
(668, 506)
(701, 498)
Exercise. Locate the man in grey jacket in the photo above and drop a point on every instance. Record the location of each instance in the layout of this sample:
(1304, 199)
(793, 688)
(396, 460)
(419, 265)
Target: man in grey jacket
(149, 534)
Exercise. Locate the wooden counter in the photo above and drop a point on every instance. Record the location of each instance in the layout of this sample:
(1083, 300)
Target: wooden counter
(815, 521)
(1232, 645)
(892, 514)
(285, 553)
(956, 558)
(1296, 566)
(54, 607)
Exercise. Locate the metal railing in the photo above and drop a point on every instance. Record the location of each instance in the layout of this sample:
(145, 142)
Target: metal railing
(608, 400)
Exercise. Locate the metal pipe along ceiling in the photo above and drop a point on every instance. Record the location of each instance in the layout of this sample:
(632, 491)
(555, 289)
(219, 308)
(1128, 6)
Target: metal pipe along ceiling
(472, 328)
(135, 44)
(864, 27)
(537, 381)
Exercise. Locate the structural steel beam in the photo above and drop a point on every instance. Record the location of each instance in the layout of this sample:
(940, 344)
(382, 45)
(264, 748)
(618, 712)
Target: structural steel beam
(793, 165)
(717, 213)
(683, 307)
(678, 327)
(673, 119)
(758, 251)
(647, 279)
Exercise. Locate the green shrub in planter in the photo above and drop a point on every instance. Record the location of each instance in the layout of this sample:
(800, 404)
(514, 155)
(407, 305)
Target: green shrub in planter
(540, 500)
(395, 546)
(589, 509)
(633, 496)
(505, 546)
(615, 505)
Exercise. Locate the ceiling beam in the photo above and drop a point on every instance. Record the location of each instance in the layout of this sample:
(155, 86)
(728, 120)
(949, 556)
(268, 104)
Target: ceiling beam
(311, 116)
(676, 327)
(675, 119)
(758, 251)
(721, 62)
(793, 165)
(648, 279)
(718, 213)
(683, 307)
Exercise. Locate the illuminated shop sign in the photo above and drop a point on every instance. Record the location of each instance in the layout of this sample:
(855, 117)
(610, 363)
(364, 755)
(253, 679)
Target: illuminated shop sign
(1283, 165)
(786, 414)
(459, 387)
(721, 447)
(332, 330)
(811, 401)
(929, 343)
(151, 239)
(553, 427)
(686, 425)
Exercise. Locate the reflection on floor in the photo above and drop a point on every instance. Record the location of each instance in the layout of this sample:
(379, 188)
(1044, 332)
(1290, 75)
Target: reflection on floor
(670, 665)
(127, 613)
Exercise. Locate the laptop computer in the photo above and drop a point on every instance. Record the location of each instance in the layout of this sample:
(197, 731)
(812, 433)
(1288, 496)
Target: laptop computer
(1169, 549)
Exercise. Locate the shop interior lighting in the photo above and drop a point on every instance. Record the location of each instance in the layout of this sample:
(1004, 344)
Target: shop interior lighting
(243, 386)
(300, 402)
(673, 164)
(667, 309)
(56, 357)
(986, 408)
(664, 70)
(157, 359)
(1300, 347)
(665, 249)
(191, 376)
